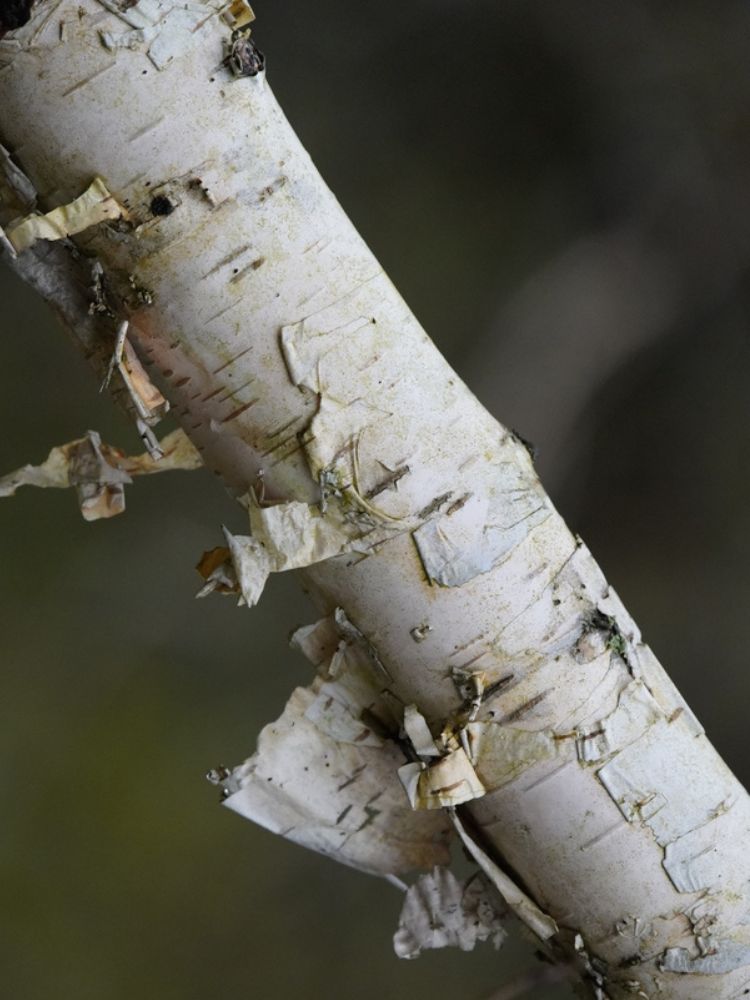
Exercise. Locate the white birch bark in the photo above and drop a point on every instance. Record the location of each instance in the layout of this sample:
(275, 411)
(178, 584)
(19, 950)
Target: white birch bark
(587, 790)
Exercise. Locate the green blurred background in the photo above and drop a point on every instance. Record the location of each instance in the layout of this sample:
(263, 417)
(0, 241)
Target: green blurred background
(560, 189)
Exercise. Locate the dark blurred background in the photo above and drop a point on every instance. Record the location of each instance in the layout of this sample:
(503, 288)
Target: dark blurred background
(562, 193)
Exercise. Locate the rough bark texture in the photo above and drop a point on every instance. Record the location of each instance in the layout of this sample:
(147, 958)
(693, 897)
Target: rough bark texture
(301, 375)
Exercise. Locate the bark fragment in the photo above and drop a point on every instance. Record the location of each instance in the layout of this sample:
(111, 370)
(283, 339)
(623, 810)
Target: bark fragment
(456, 547)
(518, 901)
(95, 205)
(440, 911)
(450, 781)
(159, 28)
(100, 472)
(325, 774)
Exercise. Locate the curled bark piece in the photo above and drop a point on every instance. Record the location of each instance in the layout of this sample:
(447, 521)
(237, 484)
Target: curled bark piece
(295, 534)
(440, 911)
(179, 454)
(215, 566)
(99, 483)
(338, 798)
(100, 472)
(77, 291)
(239, 14)
(95, 205)
(418, 732)
(450, 781)
(324, 774)
(149, 403)
(284, 536)
(317, 642)
(250, 566)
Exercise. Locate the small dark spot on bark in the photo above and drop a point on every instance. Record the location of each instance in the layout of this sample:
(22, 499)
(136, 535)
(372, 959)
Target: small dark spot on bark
(272, 188)
(631, 960)
(598, 621)
(161, 205)
(343, 814)
(14, 14)
(458, 504)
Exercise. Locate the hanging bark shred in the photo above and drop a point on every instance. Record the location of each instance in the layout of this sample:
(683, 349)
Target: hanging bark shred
(324, 774)
(440, 911)
(100, 472)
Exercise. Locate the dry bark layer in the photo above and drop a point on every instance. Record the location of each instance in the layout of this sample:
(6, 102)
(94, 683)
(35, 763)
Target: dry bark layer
(470, 649)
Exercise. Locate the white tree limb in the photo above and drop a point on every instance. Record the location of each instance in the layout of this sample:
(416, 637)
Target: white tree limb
(302, 377)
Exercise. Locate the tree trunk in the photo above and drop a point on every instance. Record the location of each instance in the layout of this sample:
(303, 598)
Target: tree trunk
(575, 774)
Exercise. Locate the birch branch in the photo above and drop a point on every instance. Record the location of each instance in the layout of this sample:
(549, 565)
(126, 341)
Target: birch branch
(472, 663)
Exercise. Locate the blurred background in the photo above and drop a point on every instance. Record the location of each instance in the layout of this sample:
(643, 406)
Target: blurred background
(562, 193)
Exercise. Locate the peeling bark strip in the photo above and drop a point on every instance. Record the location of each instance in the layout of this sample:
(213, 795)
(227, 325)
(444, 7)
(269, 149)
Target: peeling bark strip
(95, 205)
(100, 472)
(470, 638)
(79, 294)
(325, 773)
